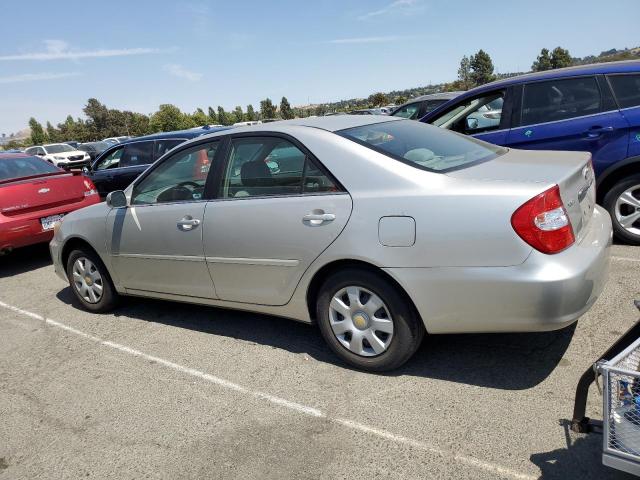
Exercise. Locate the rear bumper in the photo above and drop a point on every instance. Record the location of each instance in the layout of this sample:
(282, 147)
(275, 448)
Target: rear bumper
(546, 292)
(24, 230)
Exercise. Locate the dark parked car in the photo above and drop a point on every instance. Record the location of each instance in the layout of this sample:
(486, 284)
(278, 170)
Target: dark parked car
(593, 108)
(121, 163)
(418, 107)
(93, 148)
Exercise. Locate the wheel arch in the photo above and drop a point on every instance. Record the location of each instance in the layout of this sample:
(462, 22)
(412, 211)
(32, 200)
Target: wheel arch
(72, 244)
(313, 290)
(614, 173)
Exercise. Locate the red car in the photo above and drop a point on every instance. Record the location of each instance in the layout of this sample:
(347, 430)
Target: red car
(34, 195)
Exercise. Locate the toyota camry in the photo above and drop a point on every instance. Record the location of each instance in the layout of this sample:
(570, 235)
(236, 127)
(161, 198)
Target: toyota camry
(377, 229)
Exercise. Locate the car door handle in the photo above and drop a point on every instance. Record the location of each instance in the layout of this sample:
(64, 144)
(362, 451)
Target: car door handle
(315, 219)
(595, 132)
(188, 223)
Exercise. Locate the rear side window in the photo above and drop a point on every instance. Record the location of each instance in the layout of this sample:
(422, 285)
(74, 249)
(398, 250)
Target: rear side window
(138, 153)
(408, 111)
(555, 100)
(626, 89)
(423, 146)
(11, 168)
(163, 146)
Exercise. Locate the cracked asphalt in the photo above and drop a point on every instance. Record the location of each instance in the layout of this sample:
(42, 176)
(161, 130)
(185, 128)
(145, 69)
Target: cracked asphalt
(168, 390)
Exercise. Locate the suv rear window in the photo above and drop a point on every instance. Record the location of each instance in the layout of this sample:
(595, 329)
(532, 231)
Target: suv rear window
(627, 89)
(423, 146)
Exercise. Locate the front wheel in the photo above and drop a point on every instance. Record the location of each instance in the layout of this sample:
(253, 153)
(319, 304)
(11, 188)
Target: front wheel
(623, 204)
(366, 321)
(90, 281)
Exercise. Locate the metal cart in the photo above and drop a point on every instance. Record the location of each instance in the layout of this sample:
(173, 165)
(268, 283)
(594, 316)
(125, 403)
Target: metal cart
(619, 368)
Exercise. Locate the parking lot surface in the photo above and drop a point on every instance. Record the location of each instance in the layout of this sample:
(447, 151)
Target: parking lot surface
(166, 390)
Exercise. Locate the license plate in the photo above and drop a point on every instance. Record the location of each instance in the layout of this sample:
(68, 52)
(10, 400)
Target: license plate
(49, 222)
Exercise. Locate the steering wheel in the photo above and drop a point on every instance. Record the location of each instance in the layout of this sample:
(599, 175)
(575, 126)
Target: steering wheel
(188, 184)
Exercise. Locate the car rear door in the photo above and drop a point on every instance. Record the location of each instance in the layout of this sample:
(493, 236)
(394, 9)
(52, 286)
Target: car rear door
(577, 113)
(626, 88)
(277, 209)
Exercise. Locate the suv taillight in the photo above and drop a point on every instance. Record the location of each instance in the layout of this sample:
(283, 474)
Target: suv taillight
(543, 222)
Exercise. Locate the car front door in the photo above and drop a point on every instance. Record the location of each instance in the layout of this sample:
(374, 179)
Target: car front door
(486, 116)
(276, 210)
(627, 91)
(576, 114)
(156, 241)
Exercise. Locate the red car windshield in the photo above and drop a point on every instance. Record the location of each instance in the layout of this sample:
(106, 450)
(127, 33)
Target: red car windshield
(20, 167)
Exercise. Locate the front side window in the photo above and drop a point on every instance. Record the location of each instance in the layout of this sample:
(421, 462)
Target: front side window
(555, 100)
(476, 115)
(138, 153)
(626, 89)
(430, 105)
(263, 166)
(111, 160)
(180, 178)
(408, 111)
(423, 146)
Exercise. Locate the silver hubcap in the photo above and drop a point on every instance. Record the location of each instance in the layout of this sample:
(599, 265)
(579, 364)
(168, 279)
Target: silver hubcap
(87, 280)
(628, 210)
(361, 321)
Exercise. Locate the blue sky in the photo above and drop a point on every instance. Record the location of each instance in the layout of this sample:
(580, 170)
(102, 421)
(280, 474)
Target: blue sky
(137, 54)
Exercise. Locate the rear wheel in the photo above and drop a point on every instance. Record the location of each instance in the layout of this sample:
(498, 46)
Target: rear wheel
(623, 204)
(90, 281)
(366, 321)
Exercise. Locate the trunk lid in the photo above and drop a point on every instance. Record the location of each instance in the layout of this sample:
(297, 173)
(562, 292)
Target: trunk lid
(571, 171)
(21, 196)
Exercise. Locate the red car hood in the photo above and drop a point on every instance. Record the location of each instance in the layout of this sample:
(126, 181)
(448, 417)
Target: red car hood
(19, 196)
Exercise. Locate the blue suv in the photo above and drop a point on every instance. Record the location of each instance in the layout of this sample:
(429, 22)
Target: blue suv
(594, 108)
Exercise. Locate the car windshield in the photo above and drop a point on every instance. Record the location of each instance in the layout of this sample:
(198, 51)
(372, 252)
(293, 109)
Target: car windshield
(11, 168)
(58, 148)
(422, 145)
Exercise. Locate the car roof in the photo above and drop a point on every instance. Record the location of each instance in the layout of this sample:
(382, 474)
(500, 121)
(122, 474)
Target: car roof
(436, 96)
(191, 133)
(625, 66)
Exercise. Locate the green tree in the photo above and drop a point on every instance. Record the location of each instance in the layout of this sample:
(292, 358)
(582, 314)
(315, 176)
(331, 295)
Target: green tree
(38, 137)
(168, 118)
(200, 118)
(267, 109)
(98, 118)
(251, 114)
(320, 110)
(378, 99)
(400, 99)
(223, 118)
(543, 62)
(238, 114)
(213, 118)
(52, 133)
(481, 68)
(464, 73)
(285, 109)
(561, 58)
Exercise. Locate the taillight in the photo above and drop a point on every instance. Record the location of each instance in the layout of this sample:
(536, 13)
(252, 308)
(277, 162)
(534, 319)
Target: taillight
(89, 188)
(543, 222)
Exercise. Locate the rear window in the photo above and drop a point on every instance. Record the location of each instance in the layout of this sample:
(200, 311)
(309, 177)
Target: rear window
(11, 168)
(423, 146)
(627, 89)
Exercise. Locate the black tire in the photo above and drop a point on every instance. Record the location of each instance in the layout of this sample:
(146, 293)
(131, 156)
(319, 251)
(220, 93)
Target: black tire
(609, 203)
(408, 329)
(109, 298)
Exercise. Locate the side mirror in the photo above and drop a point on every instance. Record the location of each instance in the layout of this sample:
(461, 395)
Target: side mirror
(472, 123)
(117, 199)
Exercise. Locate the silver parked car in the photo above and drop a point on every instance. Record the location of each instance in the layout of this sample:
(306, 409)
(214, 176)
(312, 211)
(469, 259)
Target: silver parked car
(378, 229)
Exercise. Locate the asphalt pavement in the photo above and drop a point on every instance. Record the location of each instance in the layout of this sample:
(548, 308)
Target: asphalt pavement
(168, 390)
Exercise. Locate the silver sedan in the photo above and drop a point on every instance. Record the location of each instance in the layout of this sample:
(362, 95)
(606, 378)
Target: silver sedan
(377, 229)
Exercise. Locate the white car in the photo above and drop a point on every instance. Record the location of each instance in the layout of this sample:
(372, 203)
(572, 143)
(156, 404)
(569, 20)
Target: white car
(60, 154)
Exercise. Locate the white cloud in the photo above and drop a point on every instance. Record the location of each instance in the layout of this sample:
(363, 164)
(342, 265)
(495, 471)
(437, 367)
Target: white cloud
(181, 72)
(59, 50)
(382, 39)
(397, 6)
(32, 77)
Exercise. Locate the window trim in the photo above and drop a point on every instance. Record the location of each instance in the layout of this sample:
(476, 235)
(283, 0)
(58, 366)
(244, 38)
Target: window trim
(520, 123)
(221, 167)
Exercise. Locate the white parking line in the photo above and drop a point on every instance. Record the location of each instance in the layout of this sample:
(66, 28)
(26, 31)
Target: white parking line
(297, 407)
(625, 259)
